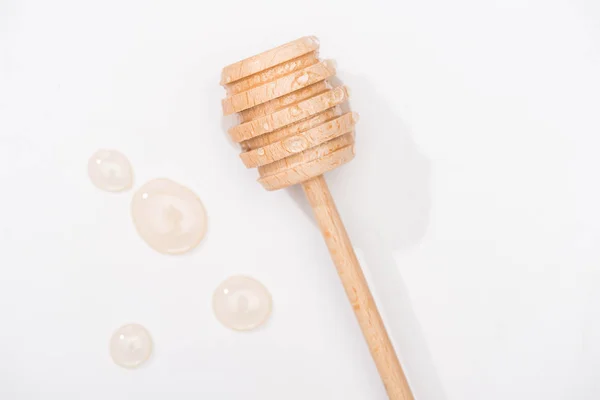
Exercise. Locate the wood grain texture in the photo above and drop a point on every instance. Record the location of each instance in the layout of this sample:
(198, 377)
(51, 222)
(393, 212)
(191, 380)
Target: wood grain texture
(279, 87)
(293, 131)
(268, 59)
(296, 143)
(357, 289)
(289, 115)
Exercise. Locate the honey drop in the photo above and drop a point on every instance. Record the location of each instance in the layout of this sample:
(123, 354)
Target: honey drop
(168, 216)
(110, 170)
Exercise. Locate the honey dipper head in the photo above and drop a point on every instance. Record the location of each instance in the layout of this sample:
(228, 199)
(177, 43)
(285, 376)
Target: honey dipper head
(292, 127)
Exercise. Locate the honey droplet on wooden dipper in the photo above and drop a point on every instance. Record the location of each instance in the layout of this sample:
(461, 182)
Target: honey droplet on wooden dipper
(291, 126)
(168, 216)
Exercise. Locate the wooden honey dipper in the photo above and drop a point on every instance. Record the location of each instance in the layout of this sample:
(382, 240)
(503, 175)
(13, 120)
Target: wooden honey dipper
(293, 130)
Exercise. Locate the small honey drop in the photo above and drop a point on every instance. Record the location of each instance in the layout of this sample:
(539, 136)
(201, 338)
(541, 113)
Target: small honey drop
(312, 39)
(168, 216)
(295, 144)
(348, 91)
(302, 79)
(260, 151)
(242, 303)
(338, 94)
(110, 170)
(130, 346)
(295, 111)
(330, 64)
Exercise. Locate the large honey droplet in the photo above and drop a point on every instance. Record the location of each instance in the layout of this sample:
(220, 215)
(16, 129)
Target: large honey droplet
(168, 216)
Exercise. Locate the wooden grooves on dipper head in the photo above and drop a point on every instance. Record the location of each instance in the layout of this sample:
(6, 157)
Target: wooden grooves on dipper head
(291, 127)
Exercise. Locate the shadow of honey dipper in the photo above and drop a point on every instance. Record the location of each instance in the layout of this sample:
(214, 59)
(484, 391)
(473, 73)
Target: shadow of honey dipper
(385, 194)
(385, 197)
(293, 129)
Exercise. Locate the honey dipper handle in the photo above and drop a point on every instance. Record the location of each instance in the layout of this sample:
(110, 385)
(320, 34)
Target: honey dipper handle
(356, 287)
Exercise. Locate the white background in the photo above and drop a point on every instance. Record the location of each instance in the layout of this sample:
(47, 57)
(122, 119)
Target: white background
(474, 200)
